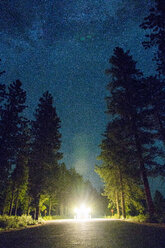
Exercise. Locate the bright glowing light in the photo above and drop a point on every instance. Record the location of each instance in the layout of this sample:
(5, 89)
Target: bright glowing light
(82, 212)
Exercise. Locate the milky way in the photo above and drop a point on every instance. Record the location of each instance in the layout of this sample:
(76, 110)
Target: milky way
(63, 46)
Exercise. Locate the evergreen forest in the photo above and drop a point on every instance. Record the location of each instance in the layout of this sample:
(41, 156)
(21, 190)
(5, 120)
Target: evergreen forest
(33, 181)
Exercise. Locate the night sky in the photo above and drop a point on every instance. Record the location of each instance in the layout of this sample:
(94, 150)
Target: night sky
(64, 46)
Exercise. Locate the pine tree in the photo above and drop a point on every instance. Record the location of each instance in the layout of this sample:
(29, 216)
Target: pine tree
(46, 142)
(12, 126)
(155, 24)
(127, 107)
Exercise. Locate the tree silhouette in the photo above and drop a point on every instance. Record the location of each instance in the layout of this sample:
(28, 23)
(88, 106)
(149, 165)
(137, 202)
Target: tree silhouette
(129, 111)
(46, 142)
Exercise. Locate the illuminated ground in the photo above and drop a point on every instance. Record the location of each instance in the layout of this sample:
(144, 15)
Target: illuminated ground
(94, 233)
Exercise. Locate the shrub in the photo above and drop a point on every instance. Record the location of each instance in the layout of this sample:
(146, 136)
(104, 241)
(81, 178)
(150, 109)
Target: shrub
(7, 222)
(115, 216)
(138, 218)
(25, 220)
(47, 217)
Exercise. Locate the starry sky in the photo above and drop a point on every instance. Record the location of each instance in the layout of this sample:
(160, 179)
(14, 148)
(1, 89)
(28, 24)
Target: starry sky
(64, 46)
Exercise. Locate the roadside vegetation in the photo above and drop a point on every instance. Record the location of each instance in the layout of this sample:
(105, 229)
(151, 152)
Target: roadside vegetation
(12, 222)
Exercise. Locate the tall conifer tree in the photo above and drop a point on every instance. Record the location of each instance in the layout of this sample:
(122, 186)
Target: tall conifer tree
(12, 126)
(46, 142)
(127, 107)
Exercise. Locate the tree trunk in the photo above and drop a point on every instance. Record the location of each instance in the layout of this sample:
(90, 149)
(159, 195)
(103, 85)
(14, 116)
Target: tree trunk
(37, 212)
(16, 203)
(123, 204)
(147, 191)
(149, 201)
(117, 204)
(11, 203)
(34, 217)
(122, 194)
(50, 206)
(37, 208)
(28, 210)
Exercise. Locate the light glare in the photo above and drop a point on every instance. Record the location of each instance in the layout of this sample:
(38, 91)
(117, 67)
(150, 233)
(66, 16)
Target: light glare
(82, 212)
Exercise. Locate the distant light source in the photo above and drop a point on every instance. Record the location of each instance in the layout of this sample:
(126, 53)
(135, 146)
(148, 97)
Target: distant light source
(82, 212)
